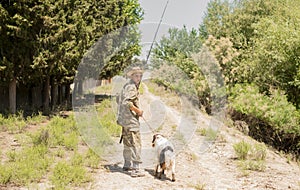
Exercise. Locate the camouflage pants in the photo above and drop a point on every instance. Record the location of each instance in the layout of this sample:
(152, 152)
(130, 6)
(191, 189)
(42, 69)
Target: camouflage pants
(132, 146)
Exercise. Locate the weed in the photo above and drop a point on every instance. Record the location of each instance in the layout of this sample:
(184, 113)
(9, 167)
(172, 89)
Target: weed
(12, 155)
(41, 137)
(65, 175)
(14, 123)
(252, 165)
(92, 159)
(71, 140)
(35, 119)
(108, 118)
(199, 186)
(202, 131)
(28, 165)
(5, 174)
(211, 134)
(241, 149)
(60, 152)
(259, 151)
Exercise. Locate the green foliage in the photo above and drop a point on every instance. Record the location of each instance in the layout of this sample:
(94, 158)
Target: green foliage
(242, 149)
(275, 53)
(30, 164)
(259, 152)
(107, 118)
(62, 131)
(43, 42)
(274, 110)
(91, 159)
(5, 174)
(35, 119)
(12, 123)
(252, 165)
(66, 175)
(266, 36)
(251, 157)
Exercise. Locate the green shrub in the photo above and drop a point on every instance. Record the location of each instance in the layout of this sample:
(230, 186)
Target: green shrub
(259, 151)
(242, 149)
(5, 174)
(65, 175)
(63, 131)
(274, 110)
(28, 165)
(253, 165)
(92, 159)
(41, 137)
(71, 140)
(107, 118)
(35, 119)
(13, 123)
(272, 118)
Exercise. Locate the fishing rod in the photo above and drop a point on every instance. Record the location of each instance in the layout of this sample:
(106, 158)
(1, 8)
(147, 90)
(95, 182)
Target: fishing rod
(154, 38)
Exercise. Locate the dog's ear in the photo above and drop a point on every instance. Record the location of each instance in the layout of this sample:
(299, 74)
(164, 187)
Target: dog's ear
(153, 139)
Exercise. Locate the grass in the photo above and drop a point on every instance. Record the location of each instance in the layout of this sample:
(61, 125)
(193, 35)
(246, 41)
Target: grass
(242, 149)
(251, 157)
(17, 123)
(169, 98)
(201, 131)
(198, 186)
(50, 152)
(25, 166)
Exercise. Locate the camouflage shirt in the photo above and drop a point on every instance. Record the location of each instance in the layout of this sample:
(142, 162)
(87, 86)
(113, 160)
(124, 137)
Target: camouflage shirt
(129, 96)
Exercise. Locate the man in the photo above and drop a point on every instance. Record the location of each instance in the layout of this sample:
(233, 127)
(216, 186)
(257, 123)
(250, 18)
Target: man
(128, 117)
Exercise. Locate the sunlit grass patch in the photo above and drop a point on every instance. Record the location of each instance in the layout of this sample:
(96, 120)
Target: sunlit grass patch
(66, 175)
(25, 166)
(251, 157)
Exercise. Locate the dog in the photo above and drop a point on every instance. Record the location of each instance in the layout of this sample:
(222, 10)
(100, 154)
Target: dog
(165, 155)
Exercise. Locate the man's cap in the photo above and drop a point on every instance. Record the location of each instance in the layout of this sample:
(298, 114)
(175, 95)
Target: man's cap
(134, 70)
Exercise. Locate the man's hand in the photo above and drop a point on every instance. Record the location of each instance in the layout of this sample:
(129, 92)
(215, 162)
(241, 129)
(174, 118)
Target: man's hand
(138, 111)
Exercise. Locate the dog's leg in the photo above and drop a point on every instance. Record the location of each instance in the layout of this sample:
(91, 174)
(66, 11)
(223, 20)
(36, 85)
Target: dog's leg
(156, 170)
(173, 170)
(162, 167)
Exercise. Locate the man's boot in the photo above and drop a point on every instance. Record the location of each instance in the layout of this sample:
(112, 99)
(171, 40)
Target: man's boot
(137, 172)
(127, 166)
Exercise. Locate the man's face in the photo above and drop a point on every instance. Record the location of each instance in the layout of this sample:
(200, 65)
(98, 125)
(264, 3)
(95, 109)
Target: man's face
(137, 78)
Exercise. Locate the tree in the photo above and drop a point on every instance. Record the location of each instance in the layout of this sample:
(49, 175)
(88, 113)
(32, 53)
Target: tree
(44, 41)
(16, 45)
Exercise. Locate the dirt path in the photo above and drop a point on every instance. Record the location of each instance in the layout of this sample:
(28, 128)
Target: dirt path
(214, 167)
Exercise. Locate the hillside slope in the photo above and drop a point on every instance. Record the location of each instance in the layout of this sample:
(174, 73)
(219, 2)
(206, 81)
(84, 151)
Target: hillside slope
(199, 164)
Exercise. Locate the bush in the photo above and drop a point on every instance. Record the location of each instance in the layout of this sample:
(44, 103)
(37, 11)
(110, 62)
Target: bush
(242, 149)
(65, 175)
(271, 119)
(107, 118)
(28, 165)
(92, 159)
(5, 174)
(274, 110)
(12, 123)
(251, 157)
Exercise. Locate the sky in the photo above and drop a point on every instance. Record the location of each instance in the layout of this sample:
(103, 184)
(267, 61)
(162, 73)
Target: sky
(178, 13)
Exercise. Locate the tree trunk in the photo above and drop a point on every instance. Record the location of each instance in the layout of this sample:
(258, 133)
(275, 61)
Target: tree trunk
(46, 96)
(13, 96)
(67, 95)
(54, 94)
(60, 99)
